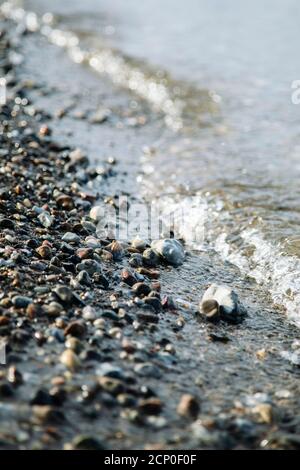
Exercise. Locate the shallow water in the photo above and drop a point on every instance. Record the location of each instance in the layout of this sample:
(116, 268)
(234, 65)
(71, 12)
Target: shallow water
(221, 76)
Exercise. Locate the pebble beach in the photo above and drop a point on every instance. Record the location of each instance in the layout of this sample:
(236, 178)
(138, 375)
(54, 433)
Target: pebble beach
(106, 347)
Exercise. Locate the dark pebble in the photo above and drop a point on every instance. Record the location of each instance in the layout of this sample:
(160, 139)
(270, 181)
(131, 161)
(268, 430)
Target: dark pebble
(75, 328)
(141, 289)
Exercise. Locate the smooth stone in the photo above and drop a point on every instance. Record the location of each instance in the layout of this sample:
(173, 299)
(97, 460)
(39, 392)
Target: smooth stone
(116, 250)
(82, 442)
(20, 301)
(150, 406)
(46, 219)
(150, 258)
(41, 397)
(64, 294)
(146, 369)
(188, 406)
(128, 277)
(222, 301)
(92, 242)
(69, 359)
(136, 260)
(44, 251)
(170, 250)
(83, 277)
(111, 385)
(57, 334)
(53, 309)
(109, 370)
(89, 265)
(89, 313)
(71, 237)
(141, 289)
(75, 328)
(138, 244)
(97, 213)
(7, 223)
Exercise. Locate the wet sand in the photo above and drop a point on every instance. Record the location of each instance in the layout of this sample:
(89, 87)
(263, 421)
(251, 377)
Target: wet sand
(130, 364)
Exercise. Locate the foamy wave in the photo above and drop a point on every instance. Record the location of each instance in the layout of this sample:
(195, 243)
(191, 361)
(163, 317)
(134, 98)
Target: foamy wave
(280, 274)
(186, 216)
(277, 273)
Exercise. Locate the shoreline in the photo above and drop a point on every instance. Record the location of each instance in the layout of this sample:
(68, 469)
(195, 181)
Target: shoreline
(113, 390)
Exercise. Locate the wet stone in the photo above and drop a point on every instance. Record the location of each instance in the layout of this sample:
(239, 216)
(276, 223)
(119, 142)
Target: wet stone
(48, 414)
(128, 277)
(117, 250)
(138, 244)
(89, 313)
(53, 309)
(71, 237)
(141, 289)
(38, 266)
(89, 265)
(41, 397)
(6, 223)
(75, 328)
(150, 406)
(65, 202)
(44, 251)
(70, 360)
(188, 406)
(147, 369)
(153, 302)
(109, 370)
(14, 376)
(136, 260)
(84, 253)
(64, 294)
(20, 301)
(150, 258)
(170, 250)
(83, 278)
(83, 442)
(111, 385)
(46, 219)
(6, 390)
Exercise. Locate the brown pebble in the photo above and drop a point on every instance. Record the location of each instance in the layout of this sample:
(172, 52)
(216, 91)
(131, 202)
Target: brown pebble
(150, 406)
(65, 202)
(44, 251)
(75, 328)
(45, 130)
(69, 359)
(84, 253)
(151, 273)
(156, 286)
(188, 406)
(264, 412)
(47, 414)
(4, 320)
(128, 277)
(58, 380)
(110, 385)
(33, 310)
(116, 250)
